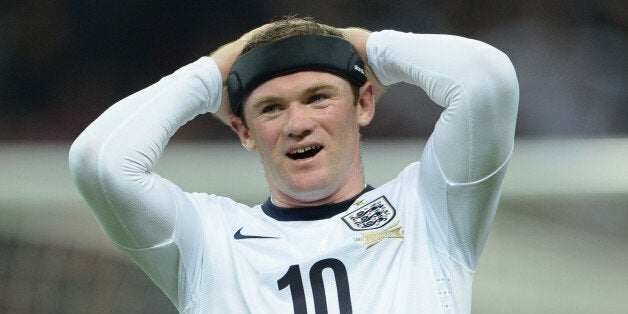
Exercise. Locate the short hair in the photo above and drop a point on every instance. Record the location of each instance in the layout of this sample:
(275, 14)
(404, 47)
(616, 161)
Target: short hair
(291, 26)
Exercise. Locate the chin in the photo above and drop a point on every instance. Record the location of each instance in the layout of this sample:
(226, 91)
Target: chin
(309, 192)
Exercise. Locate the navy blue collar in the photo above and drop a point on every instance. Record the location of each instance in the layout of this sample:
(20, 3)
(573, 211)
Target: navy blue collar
(309, 213)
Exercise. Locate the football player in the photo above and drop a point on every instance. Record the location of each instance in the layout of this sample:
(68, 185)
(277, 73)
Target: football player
(298, 92)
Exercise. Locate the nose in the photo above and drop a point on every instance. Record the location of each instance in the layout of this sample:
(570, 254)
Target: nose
(299, 123)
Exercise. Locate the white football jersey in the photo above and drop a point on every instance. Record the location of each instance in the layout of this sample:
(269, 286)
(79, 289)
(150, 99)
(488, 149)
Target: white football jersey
(389, 250)
(409, 246)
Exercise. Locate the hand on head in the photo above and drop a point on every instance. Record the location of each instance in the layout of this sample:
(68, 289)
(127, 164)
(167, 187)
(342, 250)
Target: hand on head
(358, 37)
(224, 58)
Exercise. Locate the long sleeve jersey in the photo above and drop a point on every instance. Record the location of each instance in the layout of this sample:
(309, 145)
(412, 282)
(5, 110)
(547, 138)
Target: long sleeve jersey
(409, 246)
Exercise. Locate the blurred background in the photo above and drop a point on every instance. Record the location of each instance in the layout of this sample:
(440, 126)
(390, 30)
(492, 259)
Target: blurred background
(560, 239)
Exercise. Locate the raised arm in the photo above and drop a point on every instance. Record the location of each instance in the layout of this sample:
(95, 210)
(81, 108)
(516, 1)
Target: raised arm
(464, 161)
(476, 84)
(112, 160)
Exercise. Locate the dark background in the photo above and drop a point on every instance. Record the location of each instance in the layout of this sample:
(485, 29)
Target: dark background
(62, 63)
(559, 242)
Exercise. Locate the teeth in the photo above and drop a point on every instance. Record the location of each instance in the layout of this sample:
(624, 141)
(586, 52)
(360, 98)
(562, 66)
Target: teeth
(302, 150)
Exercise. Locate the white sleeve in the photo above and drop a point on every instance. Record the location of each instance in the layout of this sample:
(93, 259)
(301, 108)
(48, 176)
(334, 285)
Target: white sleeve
(464, 160)
(111, 161)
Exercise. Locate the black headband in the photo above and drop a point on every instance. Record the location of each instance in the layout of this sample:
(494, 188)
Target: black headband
(293, 54)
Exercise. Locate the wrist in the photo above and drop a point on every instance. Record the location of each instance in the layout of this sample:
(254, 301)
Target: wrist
(226, 55)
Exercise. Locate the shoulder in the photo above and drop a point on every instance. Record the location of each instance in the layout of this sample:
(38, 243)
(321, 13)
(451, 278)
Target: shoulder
(213, 200)
(405, 182)
(211, 204)
(409, 176)
(213, 207)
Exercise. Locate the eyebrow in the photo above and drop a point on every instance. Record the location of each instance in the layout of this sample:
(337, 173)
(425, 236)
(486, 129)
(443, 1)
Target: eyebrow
(265, 100)
(319, 87)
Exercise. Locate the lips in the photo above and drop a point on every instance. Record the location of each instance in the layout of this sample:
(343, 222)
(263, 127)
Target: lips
(304, 152)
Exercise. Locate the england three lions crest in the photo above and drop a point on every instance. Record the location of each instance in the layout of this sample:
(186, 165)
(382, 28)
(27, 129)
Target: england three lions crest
(373, 215)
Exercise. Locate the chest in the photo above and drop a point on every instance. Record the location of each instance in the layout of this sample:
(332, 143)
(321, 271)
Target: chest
(375, 248)
(370, 257)
(366, 228)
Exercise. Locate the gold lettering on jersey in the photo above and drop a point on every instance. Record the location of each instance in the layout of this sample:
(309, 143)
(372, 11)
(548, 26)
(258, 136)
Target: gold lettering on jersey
(372, 238)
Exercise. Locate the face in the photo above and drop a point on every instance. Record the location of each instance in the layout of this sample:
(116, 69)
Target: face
(305, 127)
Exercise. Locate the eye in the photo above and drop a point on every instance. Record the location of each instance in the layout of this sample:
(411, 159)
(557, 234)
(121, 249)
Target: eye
(270, 109)
(317, 98)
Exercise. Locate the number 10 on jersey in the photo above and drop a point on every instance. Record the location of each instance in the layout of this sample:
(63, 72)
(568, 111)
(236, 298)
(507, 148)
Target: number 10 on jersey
(293, 279)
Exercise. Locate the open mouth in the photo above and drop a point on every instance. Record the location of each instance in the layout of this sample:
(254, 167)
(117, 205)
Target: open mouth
(304, 152)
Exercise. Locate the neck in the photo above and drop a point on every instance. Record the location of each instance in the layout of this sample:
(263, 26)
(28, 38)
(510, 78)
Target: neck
(317, 197)
(310, 213)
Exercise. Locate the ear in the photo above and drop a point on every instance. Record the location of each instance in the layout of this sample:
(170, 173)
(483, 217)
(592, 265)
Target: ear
(366, 104)
(238, 126)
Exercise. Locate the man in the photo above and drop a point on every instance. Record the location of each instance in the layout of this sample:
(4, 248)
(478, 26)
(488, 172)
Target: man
(324, 240)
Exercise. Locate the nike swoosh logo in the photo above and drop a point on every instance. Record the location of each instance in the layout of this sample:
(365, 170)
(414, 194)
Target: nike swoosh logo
(239, 236)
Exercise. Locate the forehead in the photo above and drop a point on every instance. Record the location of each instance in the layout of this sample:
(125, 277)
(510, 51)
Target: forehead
(292, 85)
